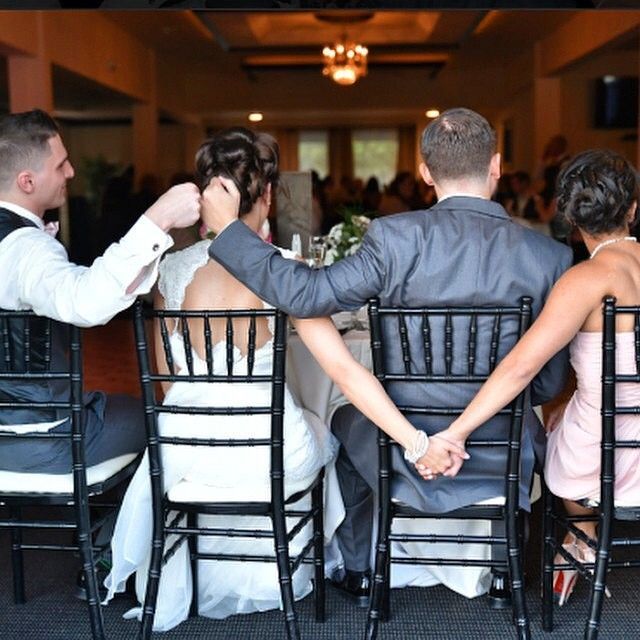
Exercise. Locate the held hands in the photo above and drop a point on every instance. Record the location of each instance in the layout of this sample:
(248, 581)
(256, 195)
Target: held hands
(445, 456)
(176, 208)
(220, 203)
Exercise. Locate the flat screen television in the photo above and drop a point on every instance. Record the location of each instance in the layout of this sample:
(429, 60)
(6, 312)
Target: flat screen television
(616, 102)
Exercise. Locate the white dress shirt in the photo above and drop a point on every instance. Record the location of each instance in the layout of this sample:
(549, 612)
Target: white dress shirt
(37, 274)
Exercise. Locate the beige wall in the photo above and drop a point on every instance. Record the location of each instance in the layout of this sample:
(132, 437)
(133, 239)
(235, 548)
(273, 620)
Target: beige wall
(578, 102)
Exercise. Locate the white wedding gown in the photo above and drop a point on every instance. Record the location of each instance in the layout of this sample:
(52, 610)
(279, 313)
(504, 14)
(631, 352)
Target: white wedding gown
(234, 473)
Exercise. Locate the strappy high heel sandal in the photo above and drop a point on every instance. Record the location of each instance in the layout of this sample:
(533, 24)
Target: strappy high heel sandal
(564, 580)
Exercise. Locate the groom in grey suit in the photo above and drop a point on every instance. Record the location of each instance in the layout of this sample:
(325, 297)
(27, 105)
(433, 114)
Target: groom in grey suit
(465, 250)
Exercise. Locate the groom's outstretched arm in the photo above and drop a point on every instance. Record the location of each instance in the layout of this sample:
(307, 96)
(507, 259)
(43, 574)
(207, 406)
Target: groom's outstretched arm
(289, 284)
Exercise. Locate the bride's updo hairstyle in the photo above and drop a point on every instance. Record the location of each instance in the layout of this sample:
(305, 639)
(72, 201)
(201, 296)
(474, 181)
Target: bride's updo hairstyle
(248, 158)
(596, 190)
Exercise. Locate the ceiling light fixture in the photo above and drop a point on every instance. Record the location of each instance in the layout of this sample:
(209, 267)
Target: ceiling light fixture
(432, 113)
(256, 116)
(345, 62)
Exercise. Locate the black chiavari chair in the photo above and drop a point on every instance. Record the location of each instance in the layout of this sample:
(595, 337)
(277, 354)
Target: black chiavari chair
(611, 551)
(424, 365)
(279, 506)
(27, 359)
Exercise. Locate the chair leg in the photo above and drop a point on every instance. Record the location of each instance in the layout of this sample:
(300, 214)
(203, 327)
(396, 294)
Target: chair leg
(548, 552)
(17, 561)
(386, 598)
(318, 547)
(153, 584)
(85, 546)
(381, 573)
(192, 522)
(598, 585)
(283, 563)
(514, 554)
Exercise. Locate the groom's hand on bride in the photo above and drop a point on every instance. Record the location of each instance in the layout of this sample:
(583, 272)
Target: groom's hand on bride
(220, 204)
(176, 208)
(445, 456)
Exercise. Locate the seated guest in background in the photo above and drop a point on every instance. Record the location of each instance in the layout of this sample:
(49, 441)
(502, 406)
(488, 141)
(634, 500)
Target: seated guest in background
(525, 205)
(598, 192)
(34, 169)
(371, 195)
(400, 195)
(190, 280)
(463, 250)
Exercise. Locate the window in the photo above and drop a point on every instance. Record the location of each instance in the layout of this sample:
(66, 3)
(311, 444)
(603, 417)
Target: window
(375, 153)
(313, 152)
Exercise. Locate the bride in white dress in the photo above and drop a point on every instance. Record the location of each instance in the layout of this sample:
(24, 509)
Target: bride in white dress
(190, 280)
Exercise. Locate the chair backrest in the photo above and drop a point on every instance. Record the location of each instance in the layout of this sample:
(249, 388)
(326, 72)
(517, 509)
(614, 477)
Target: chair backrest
(610, 407)
(215, 373)
(41, 381)
(454, 346)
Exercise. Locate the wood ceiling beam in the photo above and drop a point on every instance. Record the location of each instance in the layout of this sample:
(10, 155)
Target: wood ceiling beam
(316, 49)
(315, 60)
(583, 34)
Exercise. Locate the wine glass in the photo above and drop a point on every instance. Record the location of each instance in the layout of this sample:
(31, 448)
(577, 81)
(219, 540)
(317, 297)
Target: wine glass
(317, 251)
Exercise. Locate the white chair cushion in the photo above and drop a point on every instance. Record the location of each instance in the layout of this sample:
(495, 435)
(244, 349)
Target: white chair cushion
(194, 492)
(15, 482)
(497, 500)
(621, 504)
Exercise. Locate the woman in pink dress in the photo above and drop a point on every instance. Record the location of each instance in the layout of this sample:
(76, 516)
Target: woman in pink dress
(597, 193)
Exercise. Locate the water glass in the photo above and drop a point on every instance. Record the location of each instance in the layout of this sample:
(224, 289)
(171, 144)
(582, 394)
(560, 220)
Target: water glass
(317, 251)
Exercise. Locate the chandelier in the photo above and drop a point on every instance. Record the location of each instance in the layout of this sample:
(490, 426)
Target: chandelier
(345, 62)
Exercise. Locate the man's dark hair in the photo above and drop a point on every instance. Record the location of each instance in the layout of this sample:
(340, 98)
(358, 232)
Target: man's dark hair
(24, 139)
(595, 191)
(458, 144)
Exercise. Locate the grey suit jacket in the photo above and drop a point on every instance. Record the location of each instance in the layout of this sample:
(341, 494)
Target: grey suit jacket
(461, 251)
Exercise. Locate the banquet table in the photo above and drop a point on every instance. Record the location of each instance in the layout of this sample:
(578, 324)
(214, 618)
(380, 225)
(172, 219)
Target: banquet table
(315, 391)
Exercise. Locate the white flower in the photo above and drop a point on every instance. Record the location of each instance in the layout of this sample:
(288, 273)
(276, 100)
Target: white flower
(345, 238)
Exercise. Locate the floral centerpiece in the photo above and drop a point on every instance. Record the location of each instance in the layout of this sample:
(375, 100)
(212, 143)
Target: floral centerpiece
(345, 237)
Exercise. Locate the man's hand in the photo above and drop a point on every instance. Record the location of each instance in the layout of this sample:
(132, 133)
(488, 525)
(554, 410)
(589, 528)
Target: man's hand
(555, 416)
(220, 204)
(445, 455)
(178, 207)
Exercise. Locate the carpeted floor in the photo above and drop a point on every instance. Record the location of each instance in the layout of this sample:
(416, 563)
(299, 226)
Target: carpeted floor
(52, 612)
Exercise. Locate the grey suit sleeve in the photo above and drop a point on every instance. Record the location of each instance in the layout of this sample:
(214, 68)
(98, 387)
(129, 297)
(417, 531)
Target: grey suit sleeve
(291, 285)
(552, 378)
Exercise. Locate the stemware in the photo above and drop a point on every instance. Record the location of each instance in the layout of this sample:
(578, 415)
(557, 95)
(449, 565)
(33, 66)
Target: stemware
(317, 251)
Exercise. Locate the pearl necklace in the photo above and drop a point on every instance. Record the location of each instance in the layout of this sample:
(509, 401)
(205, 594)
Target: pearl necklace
(606, 243)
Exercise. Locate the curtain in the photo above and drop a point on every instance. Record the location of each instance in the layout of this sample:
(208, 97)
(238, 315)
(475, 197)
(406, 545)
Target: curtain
(288, 143)
(340, 153)
(407, 148)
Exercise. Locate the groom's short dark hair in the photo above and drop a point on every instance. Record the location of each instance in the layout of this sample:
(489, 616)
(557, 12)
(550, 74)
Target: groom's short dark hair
(24, 139)
(459, 143)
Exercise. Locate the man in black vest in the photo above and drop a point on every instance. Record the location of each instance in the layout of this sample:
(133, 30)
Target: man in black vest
(37, 274)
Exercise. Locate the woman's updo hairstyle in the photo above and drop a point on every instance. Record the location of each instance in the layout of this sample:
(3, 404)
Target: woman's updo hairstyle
(249, 159)
(596, 190)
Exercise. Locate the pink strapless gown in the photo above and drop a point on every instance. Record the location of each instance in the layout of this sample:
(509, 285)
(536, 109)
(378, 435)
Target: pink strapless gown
(572, 468)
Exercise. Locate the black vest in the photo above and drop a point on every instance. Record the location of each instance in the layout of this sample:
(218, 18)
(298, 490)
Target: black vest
(46, 390)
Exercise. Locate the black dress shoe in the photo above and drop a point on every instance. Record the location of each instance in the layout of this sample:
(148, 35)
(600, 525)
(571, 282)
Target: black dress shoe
(355, 585)
(103, 566)
(500, 591)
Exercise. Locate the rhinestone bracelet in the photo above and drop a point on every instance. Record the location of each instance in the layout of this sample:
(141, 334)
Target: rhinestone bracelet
(420, 446)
